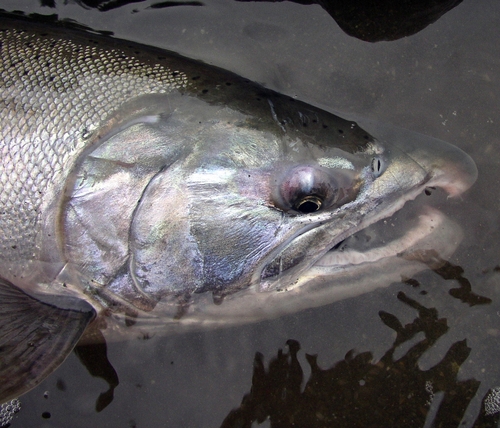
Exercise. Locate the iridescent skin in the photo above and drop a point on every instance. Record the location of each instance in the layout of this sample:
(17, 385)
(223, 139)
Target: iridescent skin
(147, 182)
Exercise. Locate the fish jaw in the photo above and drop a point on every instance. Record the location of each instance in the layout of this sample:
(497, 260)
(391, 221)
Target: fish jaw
(413, 163)
(422, 236)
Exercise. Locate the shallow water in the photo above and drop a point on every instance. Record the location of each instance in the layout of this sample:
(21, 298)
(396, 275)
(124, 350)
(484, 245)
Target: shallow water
(443, 82)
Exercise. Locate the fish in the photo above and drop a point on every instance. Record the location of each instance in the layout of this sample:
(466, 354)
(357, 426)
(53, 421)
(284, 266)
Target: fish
(142, 191)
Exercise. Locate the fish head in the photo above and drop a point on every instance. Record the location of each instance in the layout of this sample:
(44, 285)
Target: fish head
(209, 200)
(319, 194)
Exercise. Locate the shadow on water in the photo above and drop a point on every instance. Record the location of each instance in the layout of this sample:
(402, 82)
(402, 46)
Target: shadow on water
(364, 19)
(360, 392)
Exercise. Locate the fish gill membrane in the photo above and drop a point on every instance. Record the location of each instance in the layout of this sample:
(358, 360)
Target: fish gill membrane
(143, 193)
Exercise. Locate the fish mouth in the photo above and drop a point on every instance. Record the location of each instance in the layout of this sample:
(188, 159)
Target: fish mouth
(416, 165)
(420, 234)
(387, 232)
(407, 232)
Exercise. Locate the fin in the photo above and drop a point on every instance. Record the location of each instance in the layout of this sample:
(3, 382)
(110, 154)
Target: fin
(36, 336)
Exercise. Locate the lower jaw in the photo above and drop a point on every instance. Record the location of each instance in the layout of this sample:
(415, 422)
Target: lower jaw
(428, 230)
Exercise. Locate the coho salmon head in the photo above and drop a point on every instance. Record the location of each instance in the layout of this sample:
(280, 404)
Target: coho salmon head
(153, 191)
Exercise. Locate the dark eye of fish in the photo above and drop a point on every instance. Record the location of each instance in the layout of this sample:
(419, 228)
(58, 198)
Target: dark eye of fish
(309, 204)
(307, 189)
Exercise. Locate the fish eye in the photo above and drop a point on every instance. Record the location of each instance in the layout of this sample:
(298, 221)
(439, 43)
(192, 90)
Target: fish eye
(307, 189)
(309, 204)
(377, 166)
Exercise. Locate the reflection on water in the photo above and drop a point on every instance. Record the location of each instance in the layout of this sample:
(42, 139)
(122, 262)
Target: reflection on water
(448, 271)
(95, 359)
(360, 392)
(364, 19)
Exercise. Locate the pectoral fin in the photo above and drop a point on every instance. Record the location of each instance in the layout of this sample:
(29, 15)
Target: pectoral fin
(36, 336)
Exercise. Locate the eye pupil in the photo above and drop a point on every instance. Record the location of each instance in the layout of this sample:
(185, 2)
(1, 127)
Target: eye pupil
(309, 204)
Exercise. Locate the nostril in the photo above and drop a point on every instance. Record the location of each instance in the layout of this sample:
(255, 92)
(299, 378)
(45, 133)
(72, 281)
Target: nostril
(377, 166)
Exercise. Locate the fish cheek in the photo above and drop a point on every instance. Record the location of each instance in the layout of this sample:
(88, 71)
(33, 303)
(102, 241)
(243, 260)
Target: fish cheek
(234, 232)
(164, 257)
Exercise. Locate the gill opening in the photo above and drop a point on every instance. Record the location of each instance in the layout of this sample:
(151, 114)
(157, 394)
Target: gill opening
(131, 259)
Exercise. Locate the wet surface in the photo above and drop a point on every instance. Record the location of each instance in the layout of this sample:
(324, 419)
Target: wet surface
(413, 352)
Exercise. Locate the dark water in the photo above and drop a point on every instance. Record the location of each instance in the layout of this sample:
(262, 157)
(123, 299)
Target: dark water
(384, 358)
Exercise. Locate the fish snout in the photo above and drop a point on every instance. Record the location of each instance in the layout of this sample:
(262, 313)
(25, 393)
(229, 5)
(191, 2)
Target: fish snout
(447, 166)
(450, 168)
